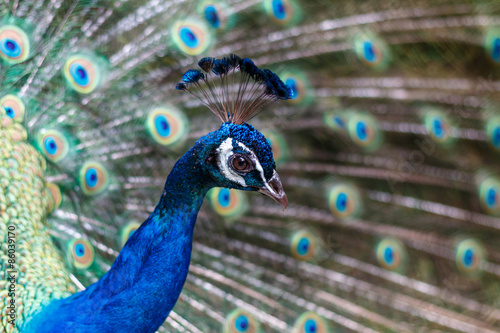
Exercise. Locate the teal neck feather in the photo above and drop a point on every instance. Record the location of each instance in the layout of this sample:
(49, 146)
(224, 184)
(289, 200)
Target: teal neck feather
(142, 286)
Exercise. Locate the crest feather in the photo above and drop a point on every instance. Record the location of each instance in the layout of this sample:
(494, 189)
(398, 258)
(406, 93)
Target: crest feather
(234, 89)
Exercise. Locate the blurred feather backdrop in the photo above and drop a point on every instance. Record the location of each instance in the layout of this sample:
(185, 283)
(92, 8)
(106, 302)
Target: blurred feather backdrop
(389, 153)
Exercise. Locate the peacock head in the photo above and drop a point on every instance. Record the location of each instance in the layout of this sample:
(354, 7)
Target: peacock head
(243, 160)
(235, 90)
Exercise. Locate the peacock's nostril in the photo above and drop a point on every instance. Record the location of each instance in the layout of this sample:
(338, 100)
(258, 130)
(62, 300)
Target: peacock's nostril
(275, 184)
(274, 189)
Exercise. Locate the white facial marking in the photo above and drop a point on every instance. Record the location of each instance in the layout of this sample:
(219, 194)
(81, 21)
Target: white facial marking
(225, 151)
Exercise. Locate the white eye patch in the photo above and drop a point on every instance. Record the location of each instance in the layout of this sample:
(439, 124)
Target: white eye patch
(225, 151)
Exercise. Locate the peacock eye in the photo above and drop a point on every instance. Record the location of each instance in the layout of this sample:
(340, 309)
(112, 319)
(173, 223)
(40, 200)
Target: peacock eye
(240, 163)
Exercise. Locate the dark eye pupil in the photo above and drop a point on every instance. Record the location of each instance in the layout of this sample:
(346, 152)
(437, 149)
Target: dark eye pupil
(240, 163)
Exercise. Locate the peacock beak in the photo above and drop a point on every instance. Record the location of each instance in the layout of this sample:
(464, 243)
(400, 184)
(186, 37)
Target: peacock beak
(274, 189)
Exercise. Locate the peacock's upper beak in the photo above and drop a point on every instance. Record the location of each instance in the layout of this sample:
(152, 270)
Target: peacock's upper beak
(274, 189)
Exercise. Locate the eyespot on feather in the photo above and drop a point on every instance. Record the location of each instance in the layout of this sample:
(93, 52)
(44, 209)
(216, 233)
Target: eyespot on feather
(469, 256)
(227, 202)
(53, 144)
(372, 50)
(191, 36)
(81, 253)
(167, 126)
(82, 73)
(241, 321)
(14, 107)
(344, 201)
(310, 322)
(215, 13)
(363, 130)
(14, 44)
(390, 254)
(303, 245)
(437, 124)
(489, 195)
(93, 178)
(283, 12)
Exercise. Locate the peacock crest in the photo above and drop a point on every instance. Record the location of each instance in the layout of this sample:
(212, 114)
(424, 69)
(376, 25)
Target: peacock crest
(234, 89)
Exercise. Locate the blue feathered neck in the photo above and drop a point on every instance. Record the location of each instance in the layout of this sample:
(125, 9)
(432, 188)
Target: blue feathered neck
(142, 286)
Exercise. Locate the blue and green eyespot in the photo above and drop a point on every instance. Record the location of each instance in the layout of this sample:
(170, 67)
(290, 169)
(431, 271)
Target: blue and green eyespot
(167, 126)
(283, 12)
(372, 50)
(390, 254)
(214, 13)
(304, 245)
(13, 106)
(344, 201)
(489, 195)
(81, 253)
(438, 128)
(14, 44)
(363, 130)
(241, 321)
(469, 256)
(53, 144)
(280, 10)
(82, 73)
(437, 124)
(227, 202)
(217, 14)
(191, 36)
(94, 178)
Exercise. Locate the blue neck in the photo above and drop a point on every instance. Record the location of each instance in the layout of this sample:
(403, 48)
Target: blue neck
(142, 286)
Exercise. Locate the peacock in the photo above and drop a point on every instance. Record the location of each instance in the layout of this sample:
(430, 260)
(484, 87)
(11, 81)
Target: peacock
(381, 117)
